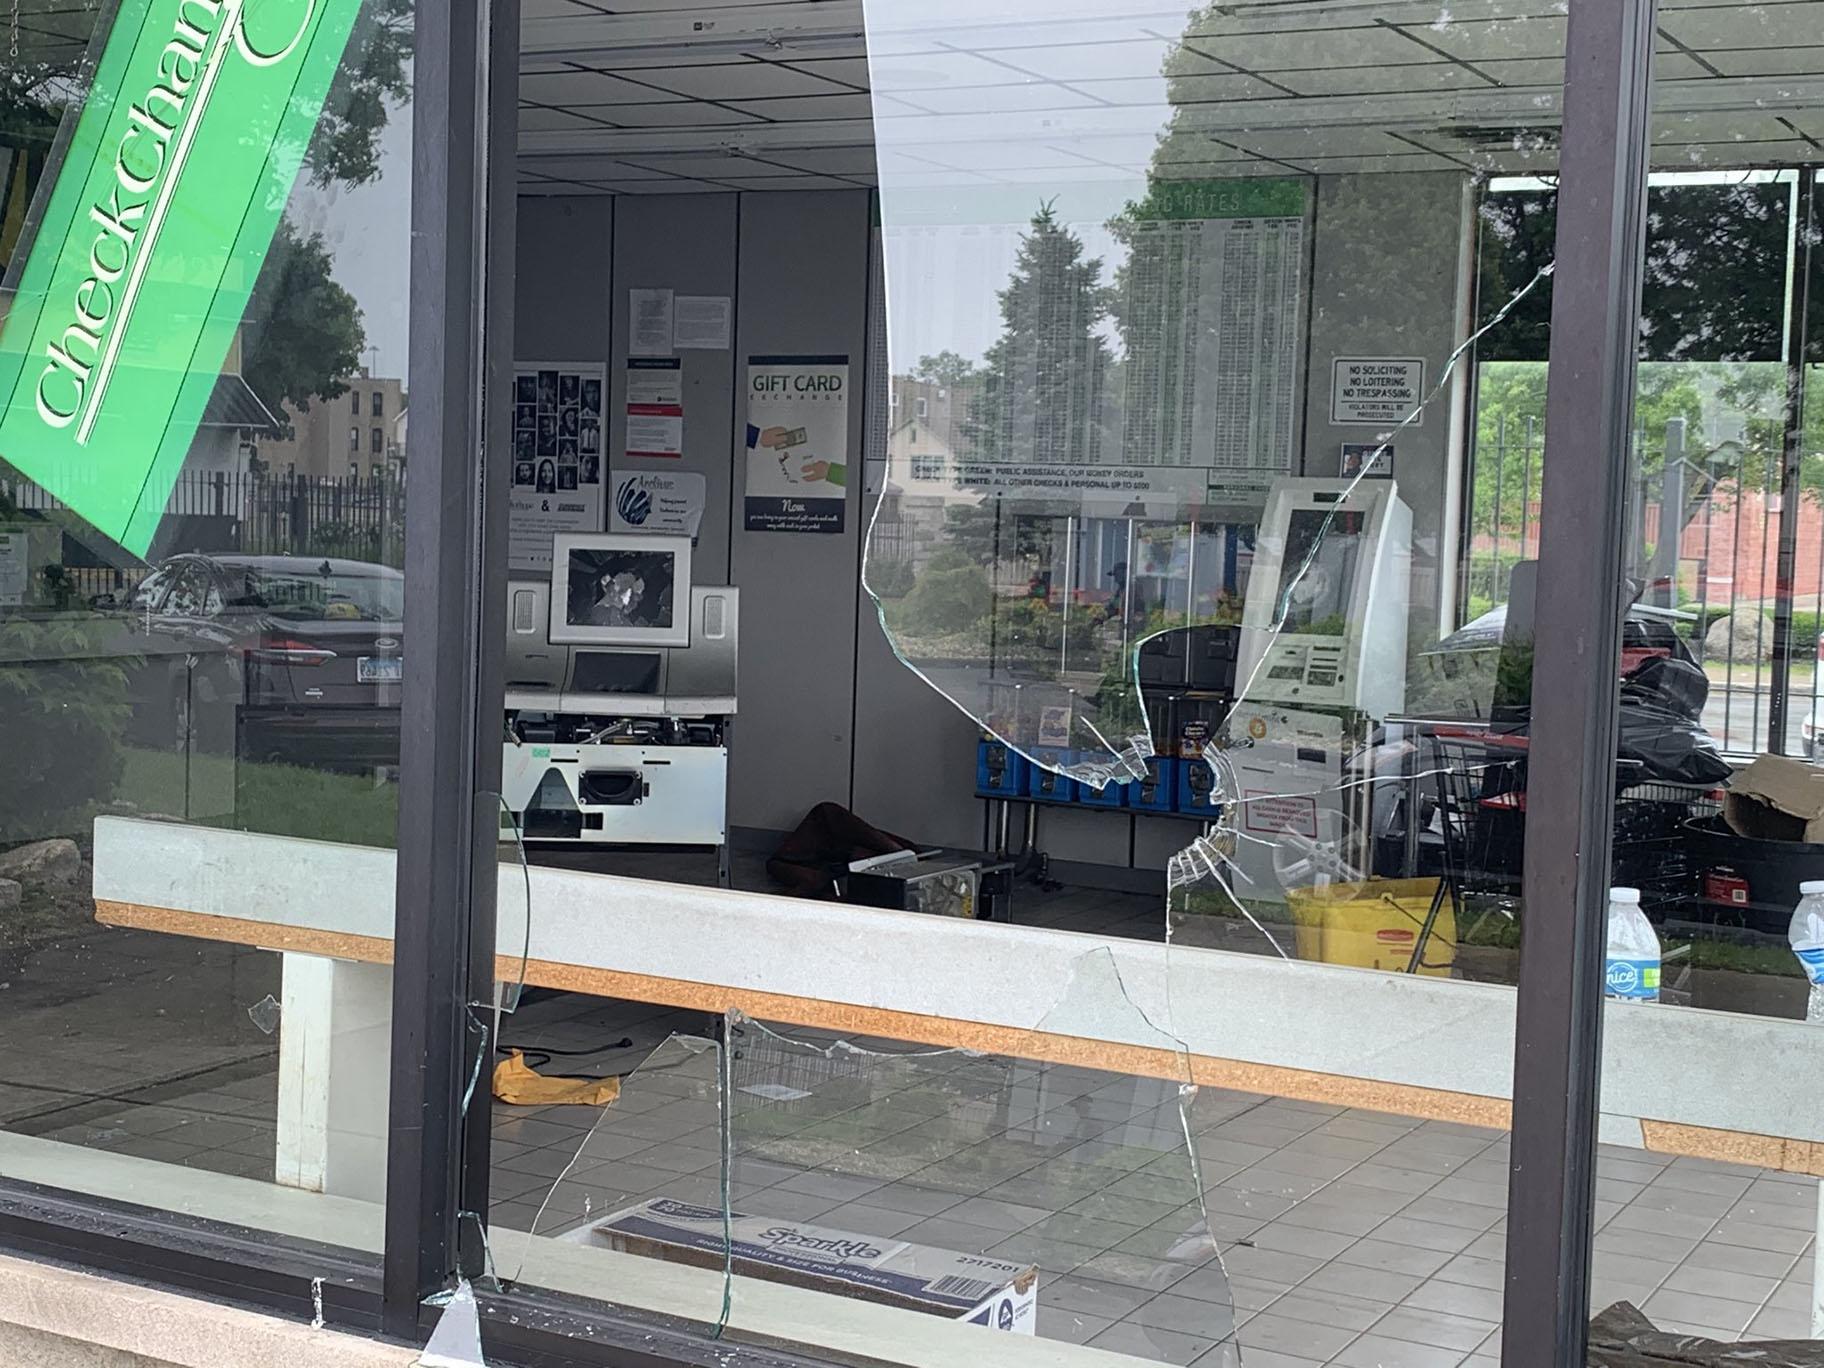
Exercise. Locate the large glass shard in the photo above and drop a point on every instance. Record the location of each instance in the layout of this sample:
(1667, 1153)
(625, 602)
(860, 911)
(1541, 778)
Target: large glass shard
(1021, 1190)
(656, 1140)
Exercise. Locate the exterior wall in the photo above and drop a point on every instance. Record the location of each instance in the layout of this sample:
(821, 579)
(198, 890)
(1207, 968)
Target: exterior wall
(58, 1318)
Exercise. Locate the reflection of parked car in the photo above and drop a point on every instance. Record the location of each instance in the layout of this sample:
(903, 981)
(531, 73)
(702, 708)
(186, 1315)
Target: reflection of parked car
(1459, 677)
(306, 650)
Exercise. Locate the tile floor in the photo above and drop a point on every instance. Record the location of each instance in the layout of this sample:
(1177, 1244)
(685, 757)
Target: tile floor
(1348, 1238)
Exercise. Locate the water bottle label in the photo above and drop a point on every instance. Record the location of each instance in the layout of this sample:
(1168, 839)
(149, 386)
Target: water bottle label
(1812, 957)
(1633, 978)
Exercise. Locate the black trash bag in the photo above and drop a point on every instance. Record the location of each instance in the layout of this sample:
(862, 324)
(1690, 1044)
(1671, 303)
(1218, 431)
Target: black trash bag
(1668, 748)
(1660, 727)
(1622, 1337)
(1667, 682)
(818, 851)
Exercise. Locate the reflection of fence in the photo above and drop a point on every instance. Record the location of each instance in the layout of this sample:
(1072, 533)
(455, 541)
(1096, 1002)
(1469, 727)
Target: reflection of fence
(1704, 537)
(353, 517)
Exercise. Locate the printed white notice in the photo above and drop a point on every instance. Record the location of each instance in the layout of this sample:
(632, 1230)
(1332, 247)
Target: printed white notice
(703, 322)
(658, 501)
(14, 568)
(649, 322)
(655, 406)
(1380, 391)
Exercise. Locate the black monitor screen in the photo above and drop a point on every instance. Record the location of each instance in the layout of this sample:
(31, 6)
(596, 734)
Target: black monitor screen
(621, 588)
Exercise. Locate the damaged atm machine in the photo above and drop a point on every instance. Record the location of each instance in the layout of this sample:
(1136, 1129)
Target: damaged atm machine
(1322, 656)
(620, 696)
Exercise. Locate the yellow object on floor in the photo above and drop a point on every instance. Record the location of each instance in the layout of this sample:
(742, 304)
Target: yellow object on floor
(1373, 925)
(518, 1082)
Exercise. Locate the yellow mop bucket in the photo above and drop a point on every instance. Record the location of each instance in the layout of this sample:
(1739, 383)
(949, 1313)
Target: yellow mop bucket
(1374, 925)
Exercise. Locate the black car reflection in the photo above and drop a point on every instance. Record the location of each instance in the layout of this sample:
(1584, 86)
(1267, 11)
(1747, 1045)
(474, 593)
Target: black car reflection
(286, 658)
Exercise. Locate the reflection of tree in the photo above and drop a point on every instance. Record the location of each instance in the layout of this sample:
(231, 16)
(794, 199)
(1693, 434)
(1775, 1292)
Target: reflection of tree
(1041, 396)
(947, 368)
(304, 334)
(1714, 283)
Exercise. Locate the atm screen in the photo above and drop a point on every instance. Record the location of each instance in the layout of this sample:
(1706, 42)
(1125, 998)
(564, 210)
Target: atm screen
(618, 588)
(1323, 547)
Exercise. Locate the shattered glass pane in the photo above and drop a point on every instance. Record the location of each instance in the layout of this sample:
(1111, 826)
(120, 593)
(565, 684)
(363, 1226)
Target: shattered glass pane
(1014, 1191)
(513, 911)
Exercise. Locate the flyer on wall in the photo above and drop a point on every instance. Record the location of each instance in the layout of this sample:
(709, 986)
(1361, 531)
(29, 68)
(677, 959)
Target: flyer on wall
(658, 501)
(797, 443)
(655, 406)
(557, 457)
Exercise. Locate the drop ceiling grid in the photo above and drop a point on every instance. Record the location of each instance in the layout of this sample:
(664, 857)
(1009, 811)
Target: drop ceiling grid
(747, 106)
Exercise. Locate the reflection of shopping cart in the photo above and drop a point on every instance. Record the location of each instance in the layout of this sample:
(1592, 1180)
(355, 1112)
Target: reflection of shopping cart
(1481, 794)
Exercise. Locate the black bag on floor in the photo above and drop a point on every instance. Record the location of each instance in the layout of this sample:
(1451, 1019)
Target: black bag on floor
(811, 859)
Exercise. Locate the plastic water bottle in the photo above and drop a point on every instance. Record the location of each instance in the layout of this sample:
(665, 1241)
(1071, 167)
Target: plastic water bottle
(1806, 933)
(1633, 959)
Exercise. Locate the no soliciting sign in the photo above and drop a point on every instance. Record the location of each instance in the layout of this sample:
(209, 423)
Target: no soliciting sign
(1376, 389)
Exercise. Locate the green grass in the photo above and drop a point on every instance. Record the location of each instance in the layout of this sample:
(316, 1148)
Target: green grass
(283, 800)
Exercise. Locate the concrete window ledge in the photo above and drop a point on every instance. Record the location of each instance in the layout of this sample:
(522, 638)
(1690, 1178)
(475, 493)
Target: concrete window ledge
(54, 1317)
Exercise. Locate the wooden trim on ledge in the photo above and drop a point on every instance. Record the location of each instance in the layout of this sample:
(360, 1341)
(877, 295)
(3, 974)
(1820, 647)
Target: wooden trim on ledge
(1272, 1080)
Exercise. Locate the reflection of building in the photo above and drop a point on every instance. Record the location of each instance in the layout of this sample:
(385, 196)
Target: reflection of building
(360, 432)
(925, 438)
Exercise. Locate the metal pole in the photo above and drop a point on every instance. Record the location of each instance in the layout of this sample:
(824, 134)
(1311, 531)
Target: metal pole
(1792, 451)
(1570, 771)
(1671, 515)
(1494, 587)
(1526, 490)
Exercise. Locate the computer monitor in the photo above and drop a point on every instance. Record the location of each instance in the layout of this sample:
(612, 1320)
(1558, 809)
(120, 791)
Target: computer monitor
(613, 589)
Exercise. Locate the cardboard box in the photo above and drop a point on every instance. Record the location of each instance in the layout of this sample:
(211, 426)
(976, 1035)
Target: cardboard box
(1776, 798)
(964, 1287)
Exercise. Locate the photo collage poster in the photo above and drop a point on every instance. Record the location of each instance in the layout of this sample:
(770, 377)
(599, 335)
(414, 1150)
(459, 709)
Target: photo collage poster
(557, 456)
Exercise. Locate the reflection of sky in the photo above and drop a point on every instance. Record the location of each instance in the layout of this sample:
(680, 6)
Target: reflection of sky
(945, 285)
(367, 229)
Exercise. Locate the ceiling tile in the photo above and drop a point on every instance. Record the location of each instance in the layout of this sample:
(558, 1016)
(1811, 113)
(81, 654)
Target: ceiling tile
(675, 114)
(586, 168)
(1489, 40)
(919, 71)
(848, 70)
(799, 108)
(835, 161)
(791, 183)
(1790, 61)
(1067, 61)
(575, 87)
(540, 119)
(1000, 99)
(741, 81)
(1526, 71)
(1405, 79)
(1746, 26)
(1358, 45)
(712, 166)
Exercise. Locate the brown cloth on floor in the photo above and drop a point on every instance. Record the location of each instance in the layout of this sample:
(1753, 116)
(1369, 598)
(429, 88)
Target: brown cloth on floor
(1622, 1337)
(809, 860)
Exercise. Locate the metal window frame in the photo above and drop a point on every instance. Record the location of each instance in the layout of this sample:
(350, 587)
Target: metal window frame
(1598, 256)
(443, 934)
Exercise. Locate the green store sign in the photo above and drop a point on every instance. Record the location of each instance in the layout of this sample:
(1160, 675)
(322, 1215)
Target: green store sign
(162, 210)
